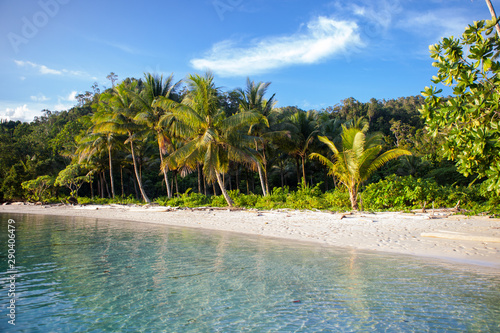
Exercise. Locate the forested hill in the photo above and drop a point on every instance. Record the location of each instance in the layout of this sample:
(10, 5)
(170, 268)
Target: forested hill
(51, 142)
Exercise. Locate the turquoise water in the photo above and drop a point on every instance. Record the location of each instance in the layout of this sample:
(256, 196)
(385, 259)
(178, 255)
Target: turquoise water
(88, 275)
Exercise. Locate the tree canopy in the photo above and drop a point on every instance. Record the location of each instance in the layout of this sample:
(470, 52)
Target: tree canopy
(470, 119)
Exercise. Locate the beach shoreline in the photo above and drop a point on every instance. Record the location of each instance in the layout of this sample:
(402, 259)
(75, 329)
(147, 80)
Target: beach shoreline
(461, 239)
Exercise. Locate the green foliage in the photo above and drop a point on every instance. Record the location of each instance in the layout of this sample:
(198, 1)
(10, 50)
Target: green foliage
(73, 177)
(337, 199)
(469, 120)
(403, 193)
(130, 200)
(38, 187)
(186, 199)
(357, 158)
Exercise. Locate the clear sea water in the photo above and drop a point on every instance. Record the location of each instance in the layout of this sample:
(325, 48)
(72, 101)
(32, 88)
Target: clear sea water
(88, 275)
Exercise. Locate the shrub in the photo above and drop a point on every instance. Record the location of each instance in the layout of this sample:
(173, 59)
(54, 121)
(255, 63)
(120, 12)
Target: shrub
(337, 199)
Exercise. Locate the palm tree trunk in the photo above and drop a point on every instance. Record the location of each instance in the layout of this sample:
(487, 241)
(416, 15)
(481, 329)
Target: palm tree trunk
(139, 182)
(261, 179)
(121, 176)
(264, 165)
(204, 182)
(237, 177)
(229, 201)
(106, 183)
(135, 188)
(266, 180)
(111, 172)
(167, 184)
(260, 171)
(353, 195)
(304, 170)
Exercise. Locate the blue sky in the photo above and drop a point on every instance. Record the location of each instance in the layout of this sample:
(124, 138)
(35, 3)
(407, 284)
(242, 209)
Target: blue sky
(315, 53)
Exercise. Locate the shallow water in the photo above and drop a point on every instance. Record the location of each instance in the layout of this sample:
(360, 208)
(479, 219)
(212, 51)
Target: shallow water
(88, 275)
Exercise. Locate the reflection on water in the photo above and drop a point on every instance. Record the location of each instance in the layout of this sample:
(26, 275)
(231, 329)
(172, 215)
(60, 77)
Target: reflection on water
(88, 275)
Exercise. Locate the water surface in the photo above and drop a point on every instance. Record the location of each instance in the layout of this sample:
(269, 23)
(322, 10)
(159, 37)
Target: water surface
(89, 275)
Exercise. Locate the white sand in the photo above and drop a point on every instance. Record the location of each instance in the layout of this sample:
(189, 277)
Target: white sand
(470, 240)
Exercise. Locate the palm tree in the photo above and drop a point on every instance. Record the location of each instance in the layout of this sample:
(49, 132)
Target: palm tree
(156, 94)
(305, 128)
(120, 120)
(212, 138)
(357, 159)
(97, 141)
(252, 100)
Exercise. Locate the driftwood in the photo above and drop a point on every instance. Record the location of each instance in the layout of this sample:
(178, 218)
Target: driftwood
(455, 209)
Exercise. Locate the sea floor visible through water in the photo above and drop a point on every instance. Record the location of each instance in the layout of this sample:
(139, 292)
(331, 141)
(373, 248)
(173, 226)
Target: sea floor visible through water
(90, 275)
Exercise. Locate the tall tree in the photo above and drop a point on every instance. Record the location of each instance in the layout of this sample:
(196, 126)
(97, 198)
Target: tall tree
(305, 129)
(356, 159)
(214, 138)
(153, 102)
(96, 141)
(120, 120)
(252, 100)
(470, 119)
(112, 77)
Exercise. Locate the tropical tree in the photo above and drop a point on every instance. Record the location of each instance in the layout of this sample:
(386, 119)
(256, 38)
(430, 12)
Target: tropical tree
(96, 142)
(305, 129)
(212, 138)
(356, 159)
(120, 120)
(252, 100)
(73, 177)
(157, 94)
(37, 187)
(469, 121)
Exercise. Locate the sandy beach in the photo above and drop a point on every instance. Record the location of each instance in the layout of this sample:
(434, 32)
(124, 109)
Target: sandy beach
(458, 238)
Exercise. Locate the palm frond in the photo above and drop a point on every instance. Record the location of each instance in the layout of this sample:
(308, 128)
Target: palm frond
(382, 159)
(325, 161)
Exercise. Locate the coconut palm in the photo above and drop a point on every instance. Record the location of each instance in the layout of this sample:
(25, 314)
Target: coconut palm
(151, 100)
(252, 99)
(213, 138)
(305, 129)
(96, 142)
(357, 158)
(120, 120)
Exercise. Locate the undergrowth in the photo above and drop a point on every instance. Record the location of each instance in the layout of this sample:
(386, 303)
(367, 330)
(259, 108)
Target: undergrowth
(391, 194)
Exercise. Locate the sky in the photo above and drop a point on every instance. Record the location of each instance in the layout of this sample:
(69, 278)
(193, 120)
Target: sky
(315, 53)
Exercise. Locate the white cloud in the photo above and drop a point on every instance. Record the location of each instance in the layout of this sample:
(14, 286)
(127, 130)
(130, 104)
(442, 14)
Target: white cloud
(435, 24)
(22, 113)
(323, 38)
(380, 13)
(62, 101)
(44, 70)
(39, 98)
